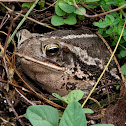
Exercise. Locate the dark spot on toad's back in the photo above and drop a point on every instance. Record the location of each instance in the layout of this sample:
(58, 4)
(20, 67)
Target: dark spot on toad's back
(70, 86)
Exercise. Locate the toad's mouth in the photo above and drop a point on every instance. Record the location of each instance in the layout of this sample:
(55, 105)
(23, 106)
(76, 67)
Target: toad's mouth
(46, 64)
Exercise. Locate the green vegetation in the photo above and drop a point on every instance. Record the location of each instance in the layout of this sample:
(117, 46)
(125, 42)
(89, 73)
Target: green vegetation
(111, 26)
(66, 13)
(74, 114)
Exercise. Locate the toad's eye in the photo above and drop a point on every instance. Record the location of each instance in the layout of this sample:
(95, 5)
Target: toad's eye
(52, 49)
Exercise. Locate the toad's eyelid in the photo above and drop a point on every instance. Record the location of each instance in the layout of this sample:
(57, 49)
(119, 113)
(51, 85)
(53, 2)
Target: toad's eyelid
(52, 44)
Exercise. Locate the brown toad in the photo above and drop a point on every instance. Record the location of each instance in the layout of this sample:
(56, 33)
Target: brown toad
(64, 60)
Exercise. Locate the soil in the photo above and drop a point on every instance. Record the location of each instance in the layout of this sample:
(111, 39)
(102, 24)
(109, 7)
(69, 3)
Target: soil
(116, 114)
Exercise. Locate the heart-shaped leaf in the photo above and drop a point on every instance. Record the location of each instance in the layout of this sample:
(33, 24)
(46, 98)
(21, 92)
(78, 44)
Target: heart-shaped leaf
(66, 7)
(57, 21)
(58, 10)
(78, 12)
(42, 115)
(73, 115)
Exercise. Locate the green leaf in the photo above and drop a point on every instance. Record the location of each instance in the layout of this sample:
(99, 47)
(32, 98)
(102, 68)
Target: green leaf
(120, 30)
(73, 115)
(78, 12)
(25, 115)
(109, 19)
(66, 7)
(104, 34)
(109, 2)
(123, 68)
(91, 1)
(58, 11)
(115, 14)
(122, 41)
(120, 2)
(116, 21)
(123, 53)
(103, 4)
(28, 5)
(87, 111)
(125, 77)
(60, 98)
(109, 31)
(42, 115)
(75, 95)
(71, 20)
(100, 30)
(115, 29)
(103, 125)
(124, 38)
(41, 4)
(114, 43)
(70, 2)
(101, 25)
(81, 17)
(57, 21)
(119, 56)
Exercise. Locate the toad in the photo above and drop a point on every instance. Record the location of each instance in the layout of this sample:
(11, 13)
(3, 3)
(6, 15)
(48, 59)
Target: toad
(65, 60)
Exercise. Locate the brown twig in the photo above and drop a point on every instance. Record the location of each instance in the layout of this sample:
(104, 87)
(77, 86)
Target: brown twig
(98, 15)
(97, 102)
(4, 20)
(22, 96)
(101, 87)
(106, 85)
(5, 121)
(15, 85)
(9, 31)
